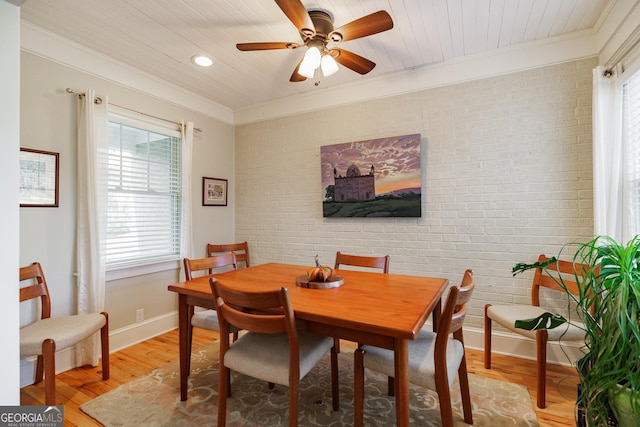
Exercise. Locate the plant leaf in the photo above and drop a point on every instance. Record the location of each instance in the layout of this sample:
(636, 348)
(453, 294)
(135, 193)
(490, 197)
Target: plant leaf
(544, 321)
(521, 267)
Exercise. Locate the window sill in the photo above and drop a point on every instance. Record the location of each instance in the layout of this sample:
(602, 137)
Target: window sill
(127, 271)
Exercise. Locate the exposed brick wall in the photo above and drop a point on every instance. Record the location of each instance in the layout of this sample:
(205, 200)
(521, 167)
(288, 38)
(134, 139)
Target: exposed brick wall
(506, 175)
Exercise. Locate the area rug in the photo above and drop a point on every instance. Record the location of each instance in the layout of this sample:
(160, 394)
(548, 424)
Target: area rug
(154, 399)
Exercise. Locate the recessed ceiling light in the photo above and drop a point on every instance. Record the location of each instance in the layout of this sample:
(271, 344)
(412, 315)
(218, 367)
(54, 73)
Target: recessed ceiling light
(201, 60)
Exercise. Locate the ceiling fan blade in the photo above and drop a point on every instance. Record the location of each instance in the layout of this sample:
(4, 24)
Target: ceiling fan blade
(353, 61)
(298, 15)
(266, 46)
(374, 23)
(295, 77)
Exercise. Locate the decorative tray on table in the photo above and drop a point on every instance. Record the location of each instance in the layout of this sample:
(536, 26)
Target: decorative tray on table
(319, 277)
(333, 281)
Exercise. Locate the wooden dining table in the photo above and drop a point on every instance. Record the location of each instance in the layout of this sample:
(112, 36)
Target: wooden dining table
(384, 310)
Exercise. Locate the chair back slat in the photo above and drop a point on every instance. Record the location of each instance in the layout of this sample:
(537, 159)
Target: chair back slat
(209, 264)
(381, 262)
(261, 323)
(444, 328)
(568, 270)
(37, 289)
(463, 296)
(466, 288)
(452, 320)
(263, 312)
(241, 250)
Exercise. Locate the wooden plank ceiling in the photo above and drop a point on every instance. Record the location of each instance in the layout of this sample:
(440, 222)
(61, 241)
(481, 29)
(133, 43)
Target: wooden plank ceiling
(160, 36)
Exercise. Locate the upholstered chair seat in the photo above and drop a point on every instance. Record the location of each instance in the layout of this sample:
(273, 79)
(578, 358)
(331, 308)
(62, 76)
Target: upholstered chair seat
(422, 369)
(506, 315)
(65, 331)
(273, 364)
(206, 319)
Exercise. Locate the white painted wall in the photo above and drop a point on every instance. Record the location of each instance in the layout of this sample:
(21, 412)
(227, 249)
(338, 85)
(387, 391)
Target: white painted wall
(506, 170)
(47, 235)
(9, 219)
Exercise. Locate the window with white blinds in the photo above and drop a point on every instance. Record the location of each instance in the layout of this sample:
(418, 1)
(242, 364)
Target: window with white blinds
(631, 138)
(144, 187)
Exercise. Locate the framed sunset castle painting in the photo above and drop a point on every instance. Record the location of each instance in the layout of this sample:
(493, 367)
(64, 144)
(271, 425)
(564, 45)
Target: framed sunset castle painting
(373, 178)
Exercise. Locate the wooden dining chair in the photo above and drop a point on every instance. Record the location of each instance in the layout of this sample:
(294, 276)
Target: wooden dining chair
(366, 261)
(379, 262)
(50, 334)
(241, 250)
(206, 319)
(506, 315)
(272, 349)
(434, 358)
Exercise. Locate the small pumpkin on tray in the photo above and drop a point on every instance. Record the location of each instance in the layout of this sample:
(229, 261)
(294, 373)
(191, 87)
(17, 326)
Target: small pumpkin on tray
(319, 273)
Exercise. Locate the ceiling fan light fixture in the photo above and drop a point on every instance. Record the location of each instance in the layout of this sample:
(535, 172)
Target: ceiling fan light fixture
(306, 70)
(329, 65)
(311, 58)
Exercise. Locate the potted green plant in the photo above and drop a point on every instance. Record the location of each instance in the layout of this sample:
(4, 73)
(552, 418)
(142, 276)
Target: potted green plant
(608, 305)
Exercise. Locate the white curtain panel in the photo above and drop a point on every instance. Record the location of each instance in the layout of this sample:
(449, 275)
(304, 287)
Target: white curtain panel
(186, 243)
(91, 212)
(609, 216)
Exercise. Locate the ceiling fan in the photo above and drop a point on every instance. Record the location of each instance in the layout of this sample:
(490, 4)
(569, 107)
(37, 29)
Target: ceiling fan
(317, 32)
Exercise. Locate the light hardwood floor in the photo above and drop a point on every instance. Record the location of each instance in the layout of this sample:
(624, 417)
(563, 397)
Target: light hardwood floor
(80, 385)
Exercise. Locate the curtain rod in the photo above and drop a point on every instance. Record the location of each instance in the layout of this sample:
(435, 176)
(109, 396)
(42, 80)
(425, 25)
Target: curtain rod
(98, 100)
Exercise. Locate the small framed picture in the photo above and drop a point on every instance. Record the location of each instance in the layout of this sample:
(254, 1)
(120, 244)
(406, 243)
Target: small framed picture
(214, 192)
(39, 178)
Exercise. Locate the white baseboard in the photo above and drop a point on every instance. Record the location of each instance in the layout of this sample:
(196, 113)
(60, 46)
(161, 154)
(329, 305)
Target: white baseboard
(502, 343)
(118, 340)
(523, 348)
(138, 332)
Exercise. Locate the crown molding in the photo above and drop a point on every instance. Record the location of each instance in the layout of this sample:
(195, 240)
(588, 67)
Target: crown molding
(619, 35)
(46, 44)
